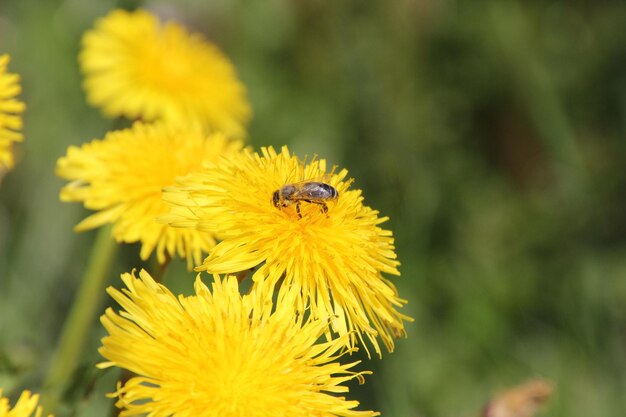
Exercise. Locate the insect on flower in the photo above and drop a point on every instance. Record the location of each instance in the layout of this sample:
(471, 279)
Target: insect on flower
(308, 191)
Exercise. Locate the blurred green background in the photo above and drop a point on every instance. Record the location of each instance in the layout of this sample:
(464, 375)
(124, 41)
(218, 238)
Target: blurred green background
(492, 133)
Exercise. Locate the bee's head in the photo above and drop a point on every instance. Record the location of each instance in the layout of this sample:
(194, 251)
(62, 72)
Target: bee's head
(276, 198)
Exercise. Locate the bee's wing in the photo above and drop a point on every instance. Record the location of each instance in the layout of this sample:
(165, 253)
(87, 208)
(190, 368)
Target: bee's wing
(320, 178)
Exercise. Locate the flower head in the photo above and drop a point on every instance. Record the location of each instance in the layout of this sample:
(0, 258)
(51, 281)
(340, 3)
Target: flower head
(10, 109)
(217, 353)
(140, 68)
(122, 177)
(25, 406)
(332, 254)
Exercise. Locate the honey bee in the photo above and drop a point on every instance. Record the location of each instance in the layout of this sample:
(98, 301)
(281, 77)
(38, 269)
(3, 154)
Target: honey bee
(308, 191)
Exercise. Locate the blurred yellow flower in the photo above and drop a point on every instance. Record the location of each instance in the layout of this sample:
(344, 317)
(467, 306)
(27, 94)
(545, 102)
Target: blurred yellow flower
(25, 406)
(140, 68)
(10, 109)
(122, 177)
(333, 261)
(216, 353)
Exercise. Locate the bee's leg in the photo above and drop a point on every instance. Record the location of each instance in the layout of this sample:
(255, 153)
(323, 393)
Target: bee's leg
(298, 210)
(323, 206)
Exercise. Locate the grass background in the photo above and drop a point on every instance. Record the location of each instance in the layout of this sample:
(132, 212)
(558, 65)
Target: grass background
(492, 133)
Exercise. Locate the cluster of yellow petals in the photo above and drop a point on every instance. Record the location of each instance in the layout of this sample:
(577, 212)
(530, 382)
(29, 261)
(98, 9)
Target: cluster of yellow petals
(137, 67)
(122, 177)
(25, 406)
(168, 184)
(217, 353)
(10, 110)
(332, 261)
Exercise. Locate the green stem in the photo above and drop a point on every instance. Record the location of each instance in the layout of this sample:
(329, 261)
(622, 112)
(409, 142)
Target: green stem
(77, 327)
(159, 269)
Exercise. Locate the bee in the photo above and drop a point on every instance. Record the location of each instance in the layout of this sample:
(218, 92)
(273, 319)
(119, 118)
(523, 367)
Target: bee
(308, 191)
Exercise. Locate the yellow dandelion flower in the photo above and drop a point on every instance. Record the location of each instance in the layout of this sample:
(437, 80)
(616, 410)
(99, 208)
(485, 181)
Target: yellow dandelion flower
(215, 354)
(10, 109)
(140, 68)
(122, 177)
(25, 406)
(333, 260)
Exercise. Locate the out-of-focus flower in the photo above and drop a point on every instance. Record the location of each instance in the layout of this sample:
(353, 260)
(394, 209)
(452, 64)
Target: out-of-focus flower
(10, 110)
(217, 354)
(140, 68)
(25, 406)
(122, 177)
(332, 255)
(520, 401)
